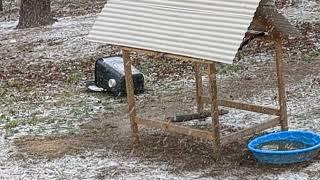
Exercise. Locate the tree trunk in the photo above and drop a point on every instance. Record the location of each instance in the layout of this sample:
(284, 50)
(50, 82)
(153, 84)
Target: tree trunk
(34, 13)
(1, 6)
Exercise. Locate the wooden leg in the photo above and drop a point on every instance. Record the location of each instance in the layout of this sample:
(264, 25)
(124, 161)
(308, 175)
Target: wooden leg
(213, 94)
(130, 95)
(199, 87)
(281, 85)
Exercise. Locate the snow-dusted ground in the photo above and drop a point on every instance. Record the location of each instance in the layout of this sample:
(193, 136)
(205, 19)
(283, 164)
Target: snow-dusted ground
(63, 113)
(90, 165)
(305, 11)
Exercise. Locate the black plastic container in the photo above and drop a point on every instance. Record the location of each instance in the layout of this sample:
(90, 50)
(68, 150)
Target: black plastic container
(110, 75)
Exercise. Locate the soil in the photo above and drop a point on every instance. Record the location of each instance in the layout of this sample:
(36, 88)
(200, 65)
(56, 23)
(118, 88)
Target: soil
(53, 128)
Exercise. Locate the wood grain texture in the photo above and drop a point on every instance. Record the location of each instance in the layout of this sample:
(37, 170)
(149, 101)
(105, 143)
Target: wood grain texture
(281, 82)
(213, 95)
(130, 95)
(199, 87)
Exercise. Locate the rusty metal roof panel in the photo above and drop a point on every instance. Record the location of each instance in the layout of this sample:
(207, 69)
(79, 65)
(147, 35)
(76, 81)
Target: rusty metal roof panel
(206, 29)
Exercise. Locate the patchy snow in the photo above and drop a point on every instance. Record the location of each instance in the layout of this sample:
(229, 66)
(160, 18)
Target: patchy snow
(90, 165)
(303, 11)
(61, 109)
(98, 164)
(65, 38)
(288, 175)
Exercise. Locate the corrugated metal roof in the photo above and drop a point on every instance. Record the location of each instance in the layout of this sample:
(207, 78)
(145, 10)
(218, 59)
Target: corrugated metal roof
(205, 29)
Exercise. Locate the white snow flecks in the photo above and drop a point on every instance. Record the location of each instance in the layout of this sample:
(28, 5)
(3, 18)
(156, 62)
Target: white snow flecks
(304, 11)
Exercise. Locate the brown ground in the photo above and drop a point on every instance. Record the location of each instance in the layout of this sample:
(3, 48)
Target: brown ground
(111, 130)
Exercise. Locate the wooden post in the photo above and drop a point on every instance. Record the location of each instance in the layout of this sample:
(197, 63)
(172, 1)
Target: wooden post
(130, 95)
(199, 87)
(281, 82)
(213, 94)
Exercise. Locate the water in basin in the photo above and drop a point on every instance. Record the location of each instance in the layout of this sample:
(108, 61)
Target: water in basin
(283, 145)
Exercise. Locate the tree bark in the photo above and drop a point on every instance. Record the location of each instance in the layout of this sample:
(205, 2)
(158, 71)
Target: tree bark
(1, 5)
(34, 13)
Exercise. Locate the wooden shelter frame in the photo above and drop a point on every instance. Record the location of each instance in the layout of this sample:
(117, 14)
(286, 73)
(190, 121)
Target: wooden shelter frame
(279, 114)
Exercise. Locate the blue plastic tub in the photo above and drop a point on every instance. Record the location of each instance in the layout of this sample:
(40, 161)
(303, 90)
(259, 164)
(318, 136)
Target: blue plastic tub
(312, 140)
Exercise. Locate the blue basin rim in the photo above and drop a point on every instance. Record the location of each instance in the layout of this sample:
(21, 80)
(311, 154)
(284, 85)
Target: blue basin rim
(267, 138)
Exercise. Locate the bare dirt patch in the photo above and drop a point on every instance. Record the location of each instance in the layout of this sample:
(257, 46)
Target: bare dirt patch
(49, 147)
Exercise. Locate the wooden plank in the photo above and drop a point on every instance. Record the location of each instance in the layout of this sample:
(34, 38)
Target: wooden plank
(250, 131)
(249, 107)
(171, 127)
(213, 94)
(246, 107)
(130, 94)
(167, 55)
(199, 87)
(281, 82)
(189, 117)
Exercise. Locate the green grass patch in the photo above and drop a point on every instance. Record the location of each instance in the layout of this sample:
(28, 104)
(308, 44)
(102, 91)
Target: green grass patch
(11, 124)
(229, 69)
(74, 78)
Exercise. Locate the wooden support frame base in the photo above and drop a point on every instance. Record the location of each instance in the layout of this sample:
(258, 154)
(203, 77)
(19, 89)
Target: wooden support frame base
(205, 134)
(250, 131)
(172, 127)
(279, 115)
